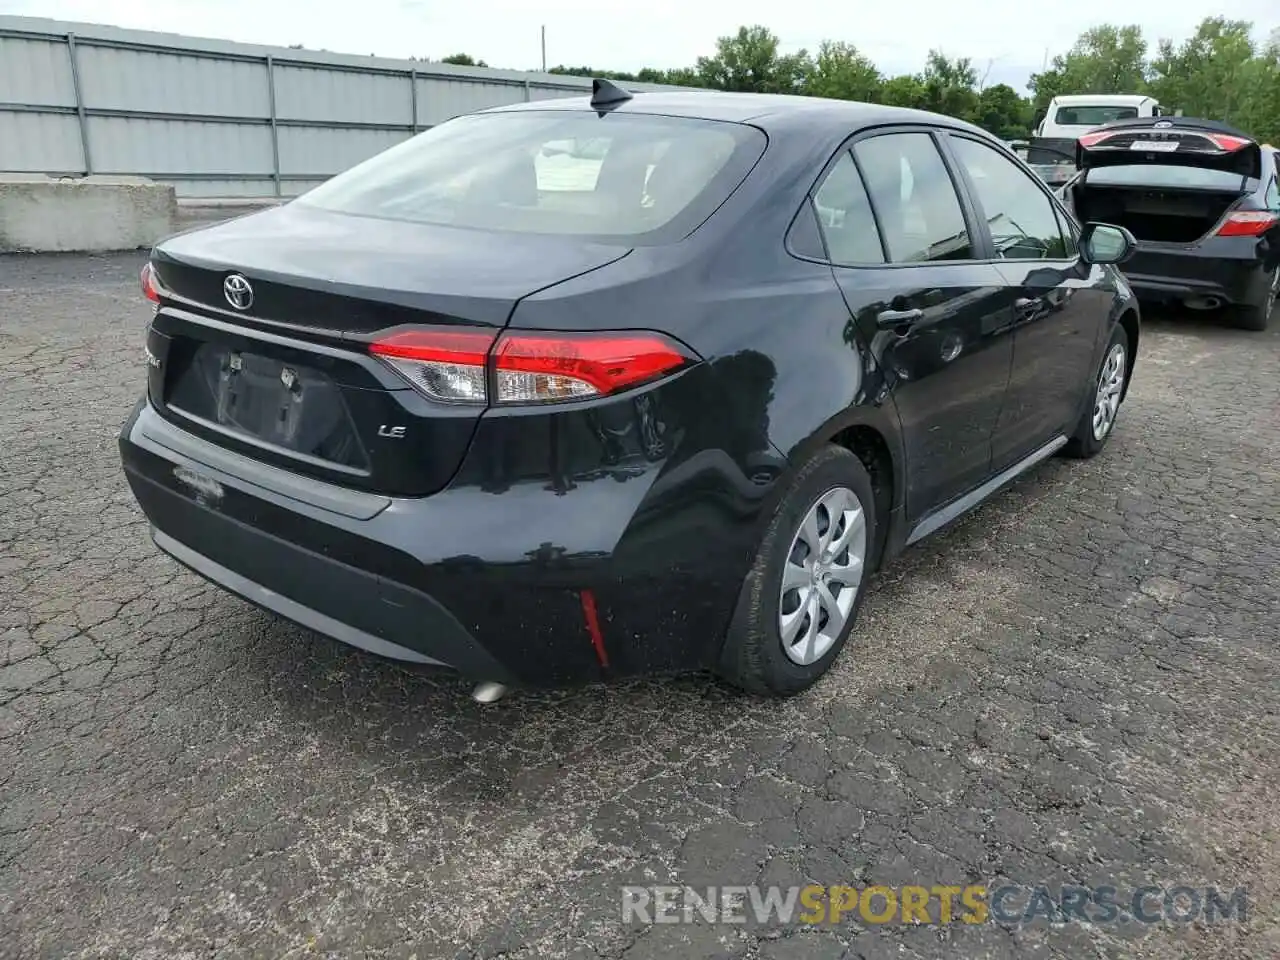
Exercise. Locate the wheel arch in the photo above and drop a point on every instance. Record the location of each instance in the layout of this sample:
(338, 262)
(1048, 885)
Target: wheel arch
(872, 434)
(1129, 320)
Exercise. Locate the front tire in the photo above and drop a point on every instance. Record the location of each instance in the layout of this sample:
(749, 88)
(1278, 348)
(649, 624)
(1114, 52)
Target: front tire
(803, 592)
(1099, 418)
(1255, 316)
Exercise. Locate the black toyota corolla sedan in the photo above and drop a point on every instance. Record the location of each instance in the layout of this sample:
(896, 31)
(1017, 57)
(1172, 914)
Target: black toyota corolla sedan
(633, 384)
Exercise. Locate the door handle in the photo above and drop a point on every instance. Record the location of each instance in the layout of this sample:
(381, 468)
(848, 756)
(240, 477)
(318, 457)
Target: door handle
(898, 319)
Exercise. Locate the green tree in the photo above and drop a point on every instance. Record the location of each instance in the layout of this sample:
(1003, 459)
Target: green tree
(1105, 59)
(949, 86)
(1212, 74)
(1219, 72)
(841, 72)
(1260, 113)
(904, 91)
(463, 60)
(749, 62)
(684, 77)
(1002, 112)
(591, 72)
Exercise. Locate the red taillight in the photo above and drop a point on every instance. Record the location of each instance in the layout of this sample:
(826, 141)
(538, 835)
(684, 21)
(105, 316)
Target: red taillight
(150, 283)
(446, 365)
(1093, 139)
(534, 367)
(537, 367)
(1247, 223)
(1228, 143)
(1222, 141)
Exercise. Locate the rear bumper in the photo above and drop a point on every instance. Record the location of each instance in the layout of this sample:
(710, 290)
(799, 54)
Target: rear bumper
(488, 585)
(1160, 274)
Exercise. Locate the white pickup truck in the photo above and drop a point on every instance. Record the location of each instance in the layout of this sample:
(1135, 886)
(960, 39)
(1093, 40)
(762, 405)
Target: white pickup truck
(1052, 149)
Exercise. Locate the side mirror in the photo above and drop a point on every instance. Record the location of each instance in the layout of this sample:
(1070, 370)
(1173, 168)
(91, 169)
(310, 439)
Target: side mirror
(1106, 243)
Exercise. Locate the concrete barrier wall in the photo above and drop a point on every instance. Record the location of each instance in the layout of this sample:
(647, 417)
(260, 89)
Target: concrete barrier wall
(40, 215)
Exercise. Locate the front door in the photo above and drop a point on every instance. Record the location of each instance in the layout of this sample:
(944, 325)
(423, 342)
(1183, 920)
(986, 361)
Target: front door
(1057, 304)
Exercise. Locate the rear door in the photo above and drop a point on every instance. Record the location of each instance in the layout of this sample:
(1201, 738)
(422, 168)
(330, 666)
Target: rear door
(1058, 305)
(903, 254)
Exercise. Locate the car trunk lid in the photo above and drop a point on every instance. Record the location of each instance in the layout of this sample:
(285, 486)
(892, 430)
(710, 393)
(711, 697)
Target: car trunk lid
(336, 274)
(1181, 142)
(288, 378)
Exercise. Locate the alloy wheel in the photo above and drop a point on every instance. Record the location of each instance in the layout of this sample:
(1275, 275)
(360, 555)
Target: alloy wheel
(1106, 403)
(821, 575)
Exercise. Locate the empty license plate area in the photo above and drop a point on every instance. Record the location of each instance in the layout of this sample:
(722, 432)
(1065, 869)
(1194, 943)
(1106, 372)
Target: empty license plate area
(289, 406)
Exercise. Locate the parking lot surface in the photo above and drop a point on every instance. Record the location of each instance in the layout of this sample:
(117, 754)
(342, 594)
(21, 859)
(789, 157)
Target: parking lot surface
(1078, 683)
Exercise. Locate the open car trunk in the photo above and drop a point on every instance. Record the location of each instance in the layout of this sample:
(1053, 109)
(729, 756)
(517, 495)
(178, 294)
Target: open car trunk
(1167, 180)
(1152, 213)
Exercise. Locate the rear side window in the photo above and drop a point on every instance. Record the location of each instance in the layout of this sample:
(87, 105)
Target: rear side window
(845, 217)
(914, 198)
(627, 177)
(1092, 116)
(1022, 219)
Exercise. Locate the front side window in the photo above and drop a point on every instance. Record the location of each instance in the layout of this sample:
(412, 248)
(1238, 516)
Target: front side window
(1022, 219)
(626, 177)
(915, 200)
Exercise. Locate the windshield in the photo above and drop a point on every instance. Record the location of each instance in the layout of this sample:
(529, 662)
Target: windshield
(1164, 175)
(558, 172)
(1092, 116)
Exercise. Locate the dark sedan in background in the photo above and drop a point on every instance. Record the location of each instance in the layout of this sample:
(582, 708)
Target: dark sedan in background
(1203, 202)
(629, 385)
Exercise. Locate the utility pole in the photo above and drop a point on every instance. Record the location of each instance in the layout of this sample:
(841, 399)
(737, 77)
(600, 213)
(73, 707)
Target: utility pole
(544, 48)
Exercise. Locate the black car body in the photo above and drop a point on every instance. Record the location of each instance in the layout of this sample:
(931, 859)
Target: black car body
(1203, 202)
(371, 410)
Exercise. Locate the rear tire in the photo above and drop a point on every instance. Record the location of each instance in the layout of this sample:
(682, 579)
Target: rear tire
(800, 599)
(1255, 316)
(1098, 420)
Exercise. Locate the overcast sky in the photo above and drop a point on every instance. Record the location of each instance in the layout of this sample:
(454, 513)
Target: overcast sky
(1005, 39)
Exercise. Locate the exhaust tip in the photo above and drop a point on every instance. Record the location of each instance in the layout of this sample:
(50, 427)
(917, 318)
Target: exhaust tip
(489, 692)
(1202, 303)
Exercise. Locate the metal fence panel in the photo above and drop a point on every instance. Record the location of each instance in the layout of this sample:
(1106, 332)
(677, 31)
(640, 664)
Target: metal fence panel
(40, 143)
(143, 80)
(35, 72)
(152, 147)
(318, 152)
(216, 118)
(440, 99)
(314, 93)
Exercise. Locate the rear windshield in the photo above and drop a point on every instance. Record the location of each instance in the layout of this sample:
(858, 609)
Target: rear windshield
(1164, 175)
(621, 176)
(1087, 116)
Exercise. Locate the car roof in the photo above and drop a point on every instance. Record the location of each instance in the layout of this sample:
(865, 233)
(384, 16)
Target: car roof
(1100, 99)
(770, 111)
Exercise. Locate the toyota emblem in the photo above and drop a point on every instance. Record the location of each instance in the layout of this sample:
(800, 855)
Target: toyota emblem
(238, 291)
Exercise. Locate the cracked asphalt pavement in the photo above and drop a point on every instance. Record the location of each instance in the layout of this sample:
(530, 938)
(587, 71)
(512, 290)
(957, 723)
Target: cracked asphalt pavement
(1078, 683)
